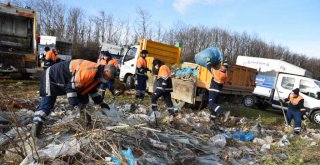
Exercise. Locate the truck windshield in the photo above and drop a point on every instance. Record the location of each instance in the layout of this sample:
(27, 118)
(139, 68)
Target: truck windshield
(318, 83)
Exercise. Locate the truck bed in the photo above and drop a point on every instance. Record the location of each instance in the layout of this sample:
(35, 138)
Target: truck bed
(241, 81)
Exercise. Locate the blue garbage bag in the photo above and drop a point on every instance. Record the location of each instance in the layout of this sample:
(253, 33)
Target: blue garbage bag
(213, 53)
(248, 137)
(237, 135)
(127, 154)
(186, 72)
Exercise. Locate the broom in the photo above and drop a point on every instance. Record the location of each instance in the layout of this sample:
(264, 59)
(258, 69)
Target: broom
(287, 127)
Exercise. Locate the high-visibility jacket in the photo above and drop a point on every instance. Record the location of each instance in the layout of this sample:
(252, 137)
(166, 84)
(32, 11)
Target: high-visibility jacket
(296, 103)
(141, 66)
(76, 78)
(112, 61)
(50, 55)
(164, 81)
(50, 59)
(219, 76)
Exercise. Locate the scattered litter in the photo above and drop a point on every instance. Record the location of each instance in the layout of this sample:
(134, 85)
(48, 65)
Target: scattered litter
(218, 140)
(283, 142)
(128, 156)
(237, 135)
(265, 147)
(281, 156)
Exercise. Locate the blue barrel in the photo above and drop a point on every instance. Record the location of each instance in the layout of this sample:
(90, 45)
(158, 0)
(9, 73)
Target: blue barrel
(213, 53)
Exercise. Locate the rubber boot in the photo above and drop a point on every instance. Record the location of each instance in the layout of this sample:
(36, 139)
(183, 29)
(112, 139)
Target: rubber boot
(36, 130)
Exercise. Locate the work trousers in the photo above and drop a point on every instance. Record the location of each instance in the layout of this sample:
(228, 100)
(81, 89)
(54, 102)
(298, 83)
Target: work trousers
(141, 86)
(296, 115)
(46, 106)
(108, 85)
(213, 99)
(167, 98)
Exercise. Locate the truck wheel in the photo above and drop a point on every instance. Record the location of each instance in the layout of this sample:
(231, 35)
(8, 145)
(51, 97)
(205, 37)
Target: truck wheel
(130, 82)
(315, 117)
(249, 101)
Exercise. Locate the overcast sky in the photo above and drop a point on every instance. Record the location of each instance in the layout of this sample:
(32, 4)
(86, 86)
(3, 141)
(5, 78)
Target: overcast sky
(291, 23)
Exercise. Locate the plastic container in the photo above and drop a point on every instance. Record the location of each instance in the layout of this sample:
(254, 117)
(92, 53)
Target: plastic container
(213, 53)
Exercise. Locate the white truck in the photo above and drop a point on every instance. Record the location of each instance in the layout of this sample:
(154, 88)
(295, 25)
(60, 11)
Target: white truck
(285, 77)
(167, 53)
(18, 31)
(64, 47)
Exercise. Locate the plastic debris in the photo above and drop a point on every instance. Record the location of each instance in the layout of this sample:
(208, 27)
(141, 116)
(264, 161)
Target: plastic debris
(218, 140)
(127, 154)
(283, 142)
(237, 135)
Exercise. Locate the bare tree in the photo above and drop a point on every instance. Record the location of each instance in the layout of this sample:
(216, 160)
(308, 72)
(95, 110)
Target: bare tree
(143, 24)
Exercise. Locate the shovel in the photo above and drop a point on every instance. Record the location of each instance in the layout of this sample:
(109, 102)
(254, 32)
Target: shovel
(287, 127)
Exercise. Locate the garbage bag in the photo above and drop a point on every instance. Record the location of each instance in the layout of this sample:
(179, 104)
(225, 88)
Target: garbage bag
(187, 72)
(237, 135)
(213, 53)
(127, 154)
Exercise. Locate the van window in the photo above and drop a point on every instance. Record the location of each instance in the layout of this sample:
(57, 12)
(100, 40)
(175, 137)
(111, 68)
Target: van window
(287, 83)
(130, 54)
(307, 88)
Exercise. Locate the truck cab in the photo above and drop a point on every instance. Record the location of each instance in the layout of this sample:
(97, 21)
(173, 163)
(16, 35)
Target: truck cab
(128, 66)
(169, 54)
(309, 90)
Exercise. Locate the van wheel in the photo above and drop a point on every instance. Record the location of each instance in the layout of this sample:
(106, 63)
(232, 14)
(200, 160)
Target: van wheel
(315, 117)
(130, 82)
(249, 101)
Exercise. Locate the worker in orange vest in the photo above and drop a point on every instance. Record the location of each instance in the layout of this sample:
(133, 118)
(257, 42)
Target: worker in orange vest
(77, 79)
(51, 57)
(219, 77)
(163, 87)
(108, 60)
(141, 75)
(296, 109)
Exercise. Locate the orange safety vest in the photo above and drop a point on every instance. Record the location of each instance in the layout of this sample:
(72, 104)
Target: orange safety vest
(141, 62)
(113, 62)
(164, 72)
(50, 55)
(84, 73)
(219, 77)
(103, 62)
(295, 101)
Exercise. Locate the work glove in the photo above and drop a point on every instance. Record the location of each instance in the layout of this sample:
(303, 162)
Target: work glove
(104, 105)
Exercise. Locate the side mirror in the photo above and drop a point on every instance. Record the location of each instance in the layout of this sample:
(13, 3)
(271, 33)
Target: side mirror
(318, 95)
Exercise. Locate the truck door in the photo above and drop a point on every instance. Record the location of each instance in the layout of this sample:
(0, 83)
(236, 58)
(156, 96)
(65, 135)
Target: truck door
(285, 85)
(309, 92)
(128, 63)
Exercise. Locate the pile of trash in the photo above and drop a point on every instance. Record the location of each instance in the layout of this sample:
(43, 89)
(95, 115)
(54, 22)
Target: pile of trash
(186, 73)
(139, 136)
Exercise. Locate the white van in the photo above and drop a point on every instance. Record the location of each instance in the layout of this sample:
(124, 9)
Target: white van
(285, 77)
